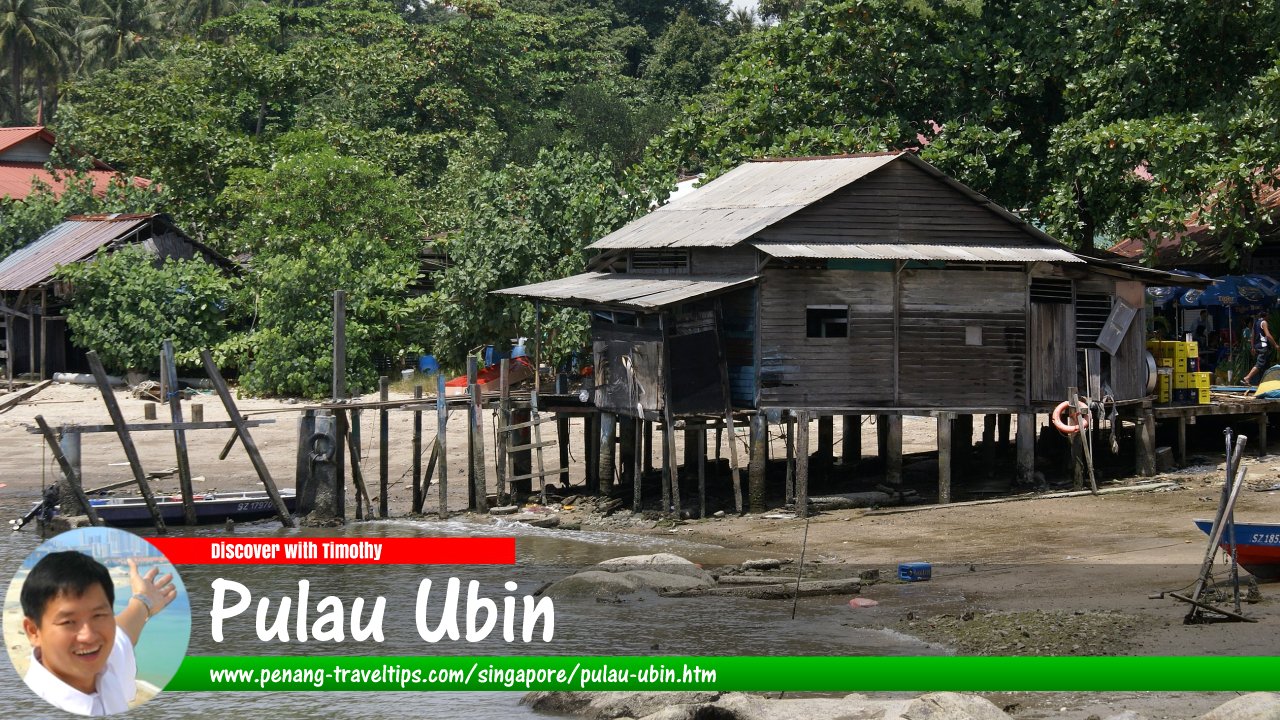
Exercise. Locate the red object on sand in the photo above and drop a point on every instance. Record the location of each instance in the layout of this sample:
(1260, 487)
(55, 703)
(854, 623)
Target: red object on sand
(861, 602)
(489, 377)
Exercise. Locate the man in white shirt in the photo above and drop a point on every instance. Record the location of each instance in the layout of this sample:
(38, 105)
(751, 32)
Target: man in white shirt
(82, 657)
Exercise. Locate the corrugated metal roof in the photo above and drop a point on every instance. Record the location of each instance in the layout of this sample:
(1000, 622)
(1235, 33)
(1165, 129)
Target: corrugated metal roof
(16, 180)
(623, 290)
(742, 202)
(890, 251)
(72, 241)
(756, 195)
(11, 136)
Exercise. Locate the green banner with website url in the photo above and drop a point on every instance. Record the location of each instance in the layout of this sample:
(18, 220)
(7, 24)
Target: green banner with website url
(795, 674)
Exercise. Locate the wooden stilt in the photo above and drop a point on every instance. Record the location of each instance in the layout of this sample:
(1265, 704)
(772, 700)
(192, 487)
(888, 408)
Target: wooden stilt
(562, 441)
(989, 443)
(1182, 442)
(882, 438)
(639, 439)
(417, 451)
(339, 345)
(945, 421)
(70, 474)
(1003, 420)
(174, 398)
(791, 459)
(723, 361)
(1262, 434)
(126, 441)
(607, 441)
(626, 449)
(364, 504)
(666, 469)
(384, 447)
(504, 419)
(893, 464)
(442, 442)
(591, 473)
(851, 440)
(647, 451)
(246, 439)
(479, 488)
(757, 467)
(826, 446)
(69, 443)
(1146, 442)
(1026, 440)
(702, 468)
(802, 465)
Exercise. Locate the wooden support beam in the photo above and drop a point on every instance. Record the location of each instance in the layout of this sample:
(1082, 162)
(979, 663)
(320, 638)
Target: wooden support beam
(15, 399)
(479, 488)
(416, 468)
(220, 386)
(126, 440)
(1003, 421)
(562, 440)
(163, 426)
(68, 472)
(647, 450)
(638, 438)
(893, 462)
(722, 360)
(1182, 442)
(1146, 442)
(989, 443)
(802, 465)
(790, 480)
(826, 444)
(702, 468)
(851, 439)
(945, 423)
(174, 398)
(364, 505)
(591, 471)
(607, 441)
(69, 443)
(1026, 451)
(757, 462)
(1262, 434)
(384, 445)
(339, 345)
(442, 441)
(502, 463)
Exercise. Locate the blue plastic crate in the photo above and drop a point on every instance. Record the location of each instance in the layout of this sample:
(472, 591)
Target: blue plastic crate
(915, 571)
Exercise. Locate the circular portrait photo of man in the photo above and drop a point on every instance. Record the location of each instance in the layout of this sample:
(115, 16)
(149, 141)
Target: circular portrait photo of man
(96, 621)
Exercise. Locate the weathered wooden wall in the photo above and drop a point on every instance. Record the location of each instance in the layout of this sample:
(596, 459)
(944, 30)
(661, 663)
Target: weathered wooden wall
(899, 203)
(738, 316)
(799, 371)
(962, 338)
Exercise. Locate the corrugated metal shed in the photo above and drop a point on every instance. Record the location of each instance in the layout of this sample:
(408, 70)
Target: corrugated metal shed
(756, 195)
(79, 237)
(958, 253)
(742, 202)
(628, 291)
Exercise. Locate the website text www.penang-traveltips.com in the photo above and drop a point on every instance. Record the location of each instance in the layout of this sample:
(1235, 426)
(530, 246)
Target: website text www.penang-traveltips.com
(578, 677)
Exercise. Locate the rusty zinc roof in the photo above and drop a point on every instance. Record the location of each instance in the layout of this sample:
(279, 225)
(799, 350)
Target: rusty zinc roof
(756, 195)
(69, 242)
(633, 292)
(890, 251)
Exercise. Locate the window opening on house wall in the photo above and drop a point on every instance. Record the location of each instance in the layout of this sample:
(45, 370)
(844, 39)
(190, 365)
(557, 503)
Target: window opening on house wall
(1092, 311)
(827, 321)
(1044, 290)
(660, 261)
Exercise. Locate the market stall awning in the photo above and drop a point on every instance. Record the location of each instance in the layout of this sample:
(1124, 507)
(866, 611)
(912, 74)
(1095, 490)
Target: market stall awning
(628, 291)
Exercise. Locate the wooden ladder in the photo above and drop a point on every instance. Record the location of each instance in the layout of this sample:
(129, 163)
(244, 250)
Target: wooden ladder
(510, 438)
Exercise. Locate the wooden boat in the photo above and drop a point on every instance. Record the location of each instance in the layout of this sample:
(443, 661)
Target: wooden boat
(489, 378)
(1257, 547)
(210, 507)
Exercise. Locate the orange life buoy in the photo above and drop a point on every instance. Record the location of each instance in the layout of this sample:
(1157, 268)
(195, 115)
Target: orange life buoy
(1065, 427)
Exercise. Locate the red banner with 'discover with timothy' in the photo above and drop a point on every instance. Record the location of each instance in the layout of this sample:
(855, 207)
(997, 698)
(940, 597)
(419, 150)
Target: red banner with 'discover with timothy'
(331, 551)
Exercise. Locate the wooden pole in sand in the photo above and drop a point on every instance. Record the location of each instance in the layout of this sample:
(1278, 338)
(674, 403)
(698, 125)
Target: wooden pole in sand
(126, 441)
(174, 397)
(246, 439)
(802, 464)
(69, 473)
(384, 444)
(417, 450)
(504, 419)
(479, 485)
(442, 441)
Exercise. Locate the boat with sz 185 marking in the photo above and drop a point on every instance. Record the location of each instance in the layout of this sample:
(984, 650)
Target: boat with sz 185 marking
(210, 507)
(1257, 547)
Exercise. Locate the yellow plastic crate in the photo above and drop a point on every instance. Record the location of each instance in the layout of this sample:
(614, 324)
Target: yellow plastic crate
(1202, 380)
(1182, 380)
(1204, 396)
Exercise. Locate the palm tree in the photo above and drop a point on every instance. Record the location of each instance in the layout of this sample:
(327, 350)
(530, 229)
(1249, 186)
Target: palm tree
(114, 31)
(190, 15)
(32, 36)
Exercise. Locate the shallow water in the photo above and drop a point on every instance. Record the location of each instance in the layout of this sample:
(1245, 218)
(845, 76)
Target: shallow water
(640, 626)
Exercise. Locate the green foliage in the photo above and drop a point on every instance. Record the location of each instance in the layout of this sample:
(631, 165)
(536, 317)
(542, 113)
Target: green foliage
(23, 221)
(524, 225)
(317, 222)
(126, 304)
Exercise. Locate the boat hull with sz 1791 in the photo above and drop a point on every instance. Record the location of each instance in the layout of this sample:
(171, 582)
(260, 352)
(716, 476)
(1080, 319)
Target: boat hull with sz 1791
(210, 508)
(1257, 546)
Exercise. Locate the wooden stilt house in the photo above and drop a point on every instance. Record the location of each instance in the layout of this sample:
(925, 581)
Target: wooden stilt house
(868, 284)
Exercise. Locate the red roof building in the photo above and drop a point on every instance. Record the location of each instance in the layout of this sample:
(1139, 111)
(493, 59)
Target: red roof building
(24, 153)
